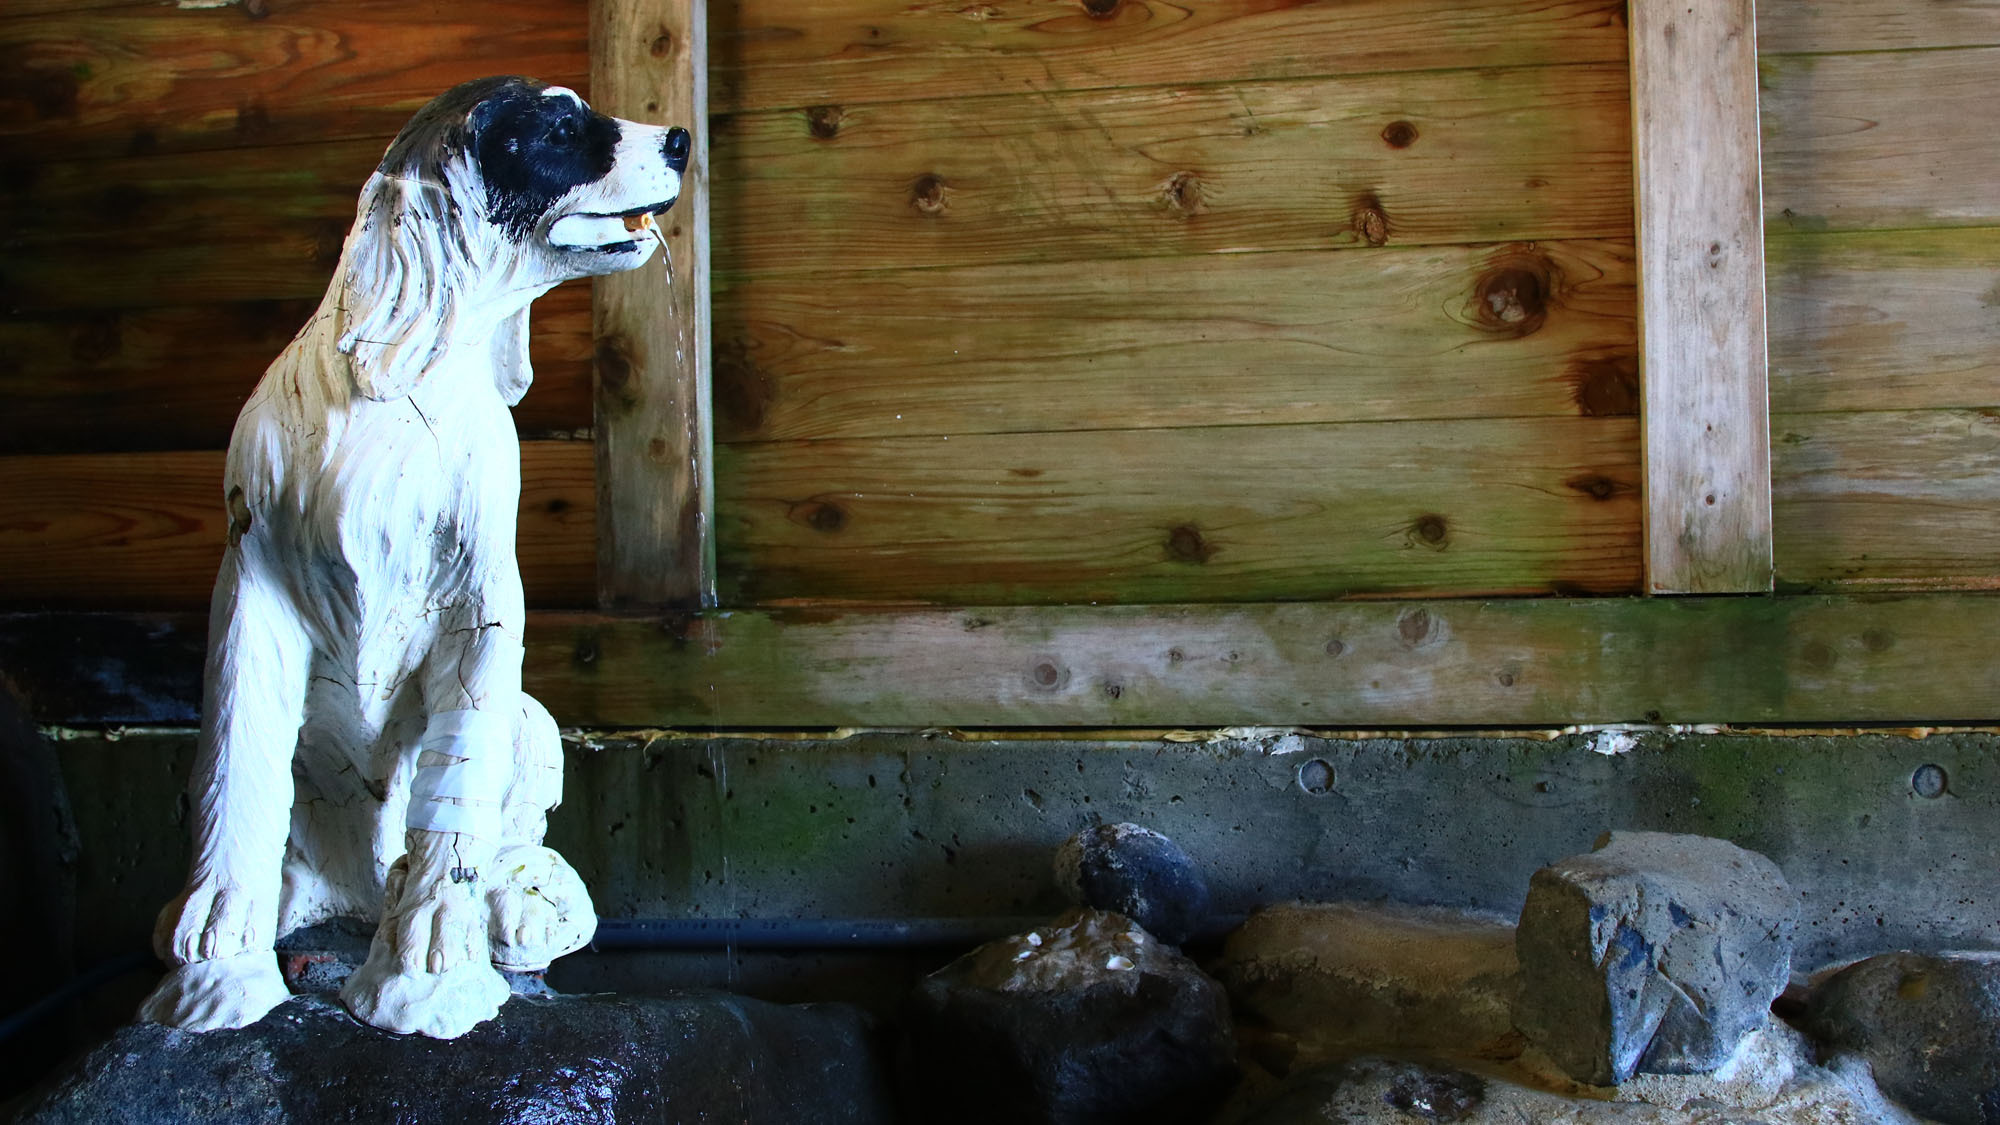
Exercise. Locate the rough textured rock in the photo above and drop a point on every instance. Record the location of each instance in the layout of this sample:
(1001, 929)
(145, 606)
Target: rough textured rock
(600, 1059)
(1771, 1081)
(1089, 1019)
(1655, 953)
(1375, 977)
(1136, 872)
(1928, 1024)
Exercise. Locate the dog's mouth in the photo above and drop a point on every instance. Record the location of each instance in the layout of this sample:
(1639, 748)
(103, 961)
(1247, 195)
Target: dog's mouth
(608, 232)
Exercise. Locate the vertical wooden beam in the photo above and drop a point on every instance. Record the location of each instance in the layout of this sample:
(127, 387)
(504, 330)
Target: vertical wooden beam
(1699, 199)
(655, 491)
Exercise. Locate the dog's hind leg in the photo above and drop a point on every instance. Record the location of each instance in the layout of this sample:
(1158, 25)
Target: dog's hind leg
(218, 932)
(538, 908)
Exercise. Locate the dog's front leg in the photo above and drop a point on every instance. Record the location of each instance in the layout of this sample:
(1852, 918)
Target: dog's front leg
(218, 933)
(429, 969)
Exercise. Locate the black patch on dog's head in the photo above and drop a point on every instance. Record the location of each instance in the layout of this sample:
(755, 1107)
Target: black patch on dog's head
(530, 149)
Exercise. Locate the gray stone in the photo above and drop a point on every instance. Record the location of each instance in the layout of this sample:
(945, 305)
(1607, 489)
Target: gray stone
(1655, 953)
(600, 1059)
(1137, 872)
(1348, 975)
(1089, 1019)
(1928, 1024)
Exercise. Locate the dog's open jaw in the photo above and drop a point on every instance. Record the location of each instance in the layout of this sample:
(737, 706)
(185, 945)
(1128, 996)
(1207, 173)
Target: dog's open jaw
(619, 232)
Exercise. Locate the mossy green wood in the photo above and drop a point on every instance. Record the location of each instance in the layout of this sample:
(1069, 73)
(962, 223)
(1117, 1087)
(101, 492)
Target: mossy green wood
(1786, 26)
(1883, 140)
(1920, 658)
(1533, 505)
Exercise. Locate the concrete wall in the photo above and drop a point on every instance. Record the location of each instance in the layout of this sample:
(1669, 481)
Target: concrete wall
(903, 825)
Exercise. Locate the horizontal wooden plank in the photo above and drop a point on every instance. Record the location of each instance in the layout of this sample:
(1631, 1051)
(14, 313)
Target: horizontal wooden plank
(1223, 514)
(145, 530)
(1540, 662)
(173, 378)
(1888, 500)
(1452, 157)
(1788, 26)
(162, 78)
(1430, 332)
(773, 53)
(1884, 320)
(1359, 664)
(1893, 139)
(1528, 663)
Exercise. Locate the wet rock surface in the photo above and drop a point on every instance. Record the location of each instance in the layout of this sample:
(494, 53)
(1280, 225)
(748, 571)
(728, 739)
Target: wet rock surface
(1375, 977)
(1928, 1025)
(1656, 953)
(1134, 871)
(1089, 1019)
(600, 1059)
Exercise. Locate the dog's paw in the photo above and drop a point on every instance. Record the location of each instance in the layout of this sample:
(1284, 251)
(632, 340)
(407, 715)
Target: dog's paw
(210, 921)
(538, 909)
(211, 995)
(428, 970)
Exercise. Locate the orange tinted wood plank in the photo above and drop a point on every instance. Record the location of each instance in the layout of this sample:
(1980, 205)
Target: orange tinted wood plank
(146, 530)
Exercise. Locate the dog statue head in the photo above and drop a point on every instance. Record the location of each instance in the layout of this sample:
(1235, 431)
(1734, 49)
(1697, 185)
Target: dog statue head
(495, 191)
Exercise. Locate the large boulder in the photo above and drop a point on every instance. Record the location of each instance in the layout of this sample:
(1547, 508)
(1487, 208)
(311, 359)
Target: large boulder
(1088, 1019)
(1134, 871)
(601, 1059)
(1343, 976)
(1928, 1024)
(1656, 953)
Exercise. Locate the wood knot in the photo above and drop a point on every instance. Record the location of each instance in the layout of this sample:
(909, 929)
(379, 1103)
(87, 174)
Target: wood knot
(1102, 9)
(659, 452)
(1512, 298)
(1415, 627)
(1596, 486)
(663, 44)
(1335, 647)
(1182, 195)
(1185, 544)
(1399, 134)
(1430, 530)
(742, 392)
(1370, 221)
(823, 516)
(1876, 640)
(1605, 388)
(613, 357)
(1046, 673)
(930, 195)
(823, 121)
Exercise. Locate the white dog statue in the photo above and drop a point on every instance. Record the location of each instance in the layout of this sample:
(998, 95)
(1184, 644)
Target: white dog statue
(366, 748)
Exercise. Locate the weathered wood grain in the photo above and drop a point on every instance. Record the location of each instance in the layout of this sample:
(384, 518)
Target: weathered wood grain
(1432, 332)
(653, 326)
(1402, 159)
(1701, 298)
(1792, 26)
(1884, 320)
(160, 78)
(145, 530)
(1906, 500)
(1222, 514)
(1892, 139)
(174, 377)
(1397, 665)
(1536, 662)
(774, 53)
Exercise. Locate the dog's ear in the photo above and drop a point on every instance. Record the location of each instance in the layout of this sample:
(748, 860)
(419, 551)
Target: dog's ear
(401, 275)
(511, 371)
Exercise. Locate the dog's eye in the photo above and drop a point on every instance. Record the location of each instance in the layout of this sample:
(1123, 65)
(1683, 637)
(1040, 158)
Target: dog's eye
(563, 132)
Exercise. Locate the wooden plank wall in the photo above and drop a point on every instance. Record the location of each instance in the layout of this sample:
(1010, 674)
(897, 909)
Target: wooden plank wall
(1882, 231)
(1344, 307)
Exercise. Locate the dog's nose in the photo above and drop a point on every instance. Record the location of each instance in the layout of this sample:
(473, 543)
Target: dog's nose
(676, 148)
